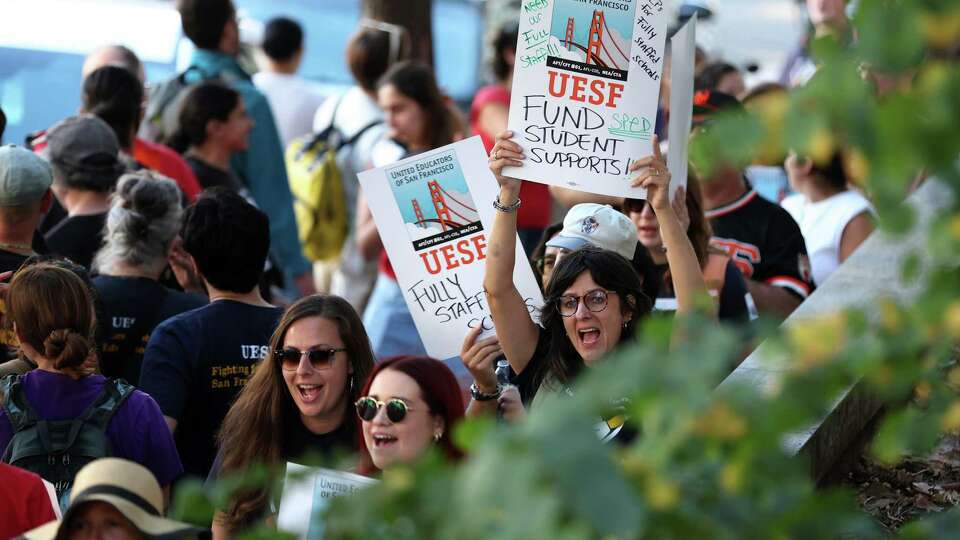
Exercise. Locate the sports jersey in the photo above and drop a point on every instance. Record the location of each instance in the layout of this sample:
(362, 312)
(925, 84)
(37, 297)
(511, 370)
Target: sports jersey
(764, 242)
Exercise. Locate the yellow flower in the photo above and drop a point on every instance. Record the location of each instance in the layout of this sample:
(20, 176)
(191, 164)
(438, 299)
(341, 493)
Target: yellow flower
(815, 341)
(662, 494)
(951, 418)
(821, 145)
(731, 477)
(398, 478)
(941, 29)
(721, 422)
(951, 319)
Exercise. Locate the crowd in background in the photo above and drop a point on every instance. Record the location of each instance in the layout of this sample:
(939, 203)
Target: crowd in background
(161, 310)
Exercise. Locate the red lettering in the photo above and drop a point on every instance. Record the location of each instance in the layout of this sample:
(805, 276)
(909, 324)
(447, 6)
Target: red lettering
(480, 243)
(448, 256)
(579, 85)
(426, 263)
(596, 87)
(563, 84)
(463, 247)
(616, 91)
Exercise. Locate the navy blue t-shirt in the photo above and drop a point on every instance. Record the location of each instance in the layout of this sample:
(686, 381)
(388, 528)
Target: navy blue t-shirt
(132, 308)
(197, 362)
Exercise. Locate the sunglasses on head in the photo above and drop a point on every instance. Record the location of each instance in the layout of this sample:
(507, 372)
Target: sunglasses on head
(320, 358)
(367, 408)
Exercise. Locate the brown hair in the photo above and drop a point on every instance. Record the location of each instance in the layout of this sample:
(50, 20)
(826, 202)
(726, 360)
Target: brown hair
(254, 430)
(369, 56)
(53, 313)
(416, 81)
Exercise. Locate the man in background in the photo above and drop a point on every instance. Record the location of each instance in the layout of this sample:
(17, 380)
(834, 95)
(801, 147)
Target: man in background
(292, 99)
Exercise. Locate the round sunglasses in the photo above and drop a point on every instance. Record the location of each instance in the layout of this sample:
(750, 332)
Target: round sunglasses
(321, 358)
(367, 408)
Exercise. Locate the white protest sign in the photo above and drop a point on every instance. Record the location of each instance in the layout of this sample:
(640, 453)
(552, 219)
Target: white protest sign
(307, 492)
(434, 212)
(683, 46)
(585, 90)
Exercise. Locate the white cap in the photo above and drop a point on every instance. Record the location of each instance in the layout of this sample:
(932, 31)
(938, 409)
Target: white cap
(599, 225)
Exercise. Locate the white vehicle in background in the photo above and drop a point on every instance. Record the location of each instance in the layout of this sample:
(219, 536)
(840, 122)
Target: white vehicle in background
(43, 44)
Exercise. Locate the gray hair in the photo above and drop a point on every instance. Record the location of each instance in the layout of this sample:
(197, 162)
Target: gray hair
(144, 218)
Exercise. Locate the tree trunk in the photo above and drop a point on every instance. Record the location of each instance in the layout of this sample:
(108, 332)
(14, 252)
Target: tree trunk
(414, 15)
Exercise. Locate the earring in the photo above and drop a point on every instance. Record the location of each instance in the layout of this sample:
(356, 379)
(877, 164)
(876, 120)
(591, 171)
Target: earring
(436, 437)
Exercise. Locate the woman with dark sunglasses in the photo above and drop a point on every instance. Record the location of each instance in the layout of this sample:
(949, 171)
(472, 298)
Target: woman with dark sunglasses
(594, 299)
(409, 403)
(298, 401)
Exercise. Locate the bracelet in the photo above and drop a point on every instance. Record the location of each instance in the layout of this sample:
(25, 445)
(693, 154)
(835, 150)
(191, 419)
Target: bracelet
(506, 209)
(477, 395)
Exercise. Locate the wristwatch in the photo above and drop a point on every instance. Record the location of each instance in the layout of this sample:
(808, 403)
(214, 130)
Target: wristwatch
(477, 395)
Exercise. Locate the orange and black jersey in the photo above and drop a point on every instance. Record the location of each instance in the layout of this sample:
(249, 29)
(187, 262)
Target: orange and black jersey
(764, 241)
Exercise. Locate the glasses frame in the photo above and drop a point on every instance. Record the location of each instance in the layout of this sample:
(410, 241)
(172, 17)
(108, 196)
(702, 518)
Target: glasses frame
(579, 299)
(328, 363)
(379, 405)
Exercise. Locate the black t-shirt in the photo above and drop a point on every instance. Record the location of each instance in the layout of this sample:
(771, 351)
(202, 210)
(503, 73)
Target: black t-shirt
(732, 300)
(764, 241)
(197, 362)
(77, 238)
(132, 308)
(210, 176)
(302, 443)
(10, 261)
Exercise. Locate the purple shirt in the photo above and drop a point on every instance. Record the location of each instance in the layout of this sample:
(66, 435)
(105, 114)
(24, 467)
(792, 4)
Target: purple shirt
(136, 432)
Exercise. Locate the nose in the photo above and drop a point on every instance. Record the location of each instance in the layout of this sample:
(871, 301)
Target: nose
(304, 367)
(380, 418)
(647, 211)
(582, 311)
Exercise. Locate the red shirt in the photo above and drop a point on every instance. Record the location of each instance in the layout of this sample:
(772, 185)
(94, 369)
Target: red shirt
(168, 163)
(535, 197)
(25, 503)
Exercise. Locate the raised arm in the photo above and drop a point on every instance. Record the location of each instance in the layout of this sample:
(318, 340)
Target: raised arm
(689, 285)
(517, 332)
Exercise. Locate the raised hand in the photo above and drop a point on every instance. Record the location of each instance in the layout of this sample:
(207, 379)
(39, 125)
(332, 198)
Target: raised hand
(506, 153)
(479, 358)
(654, 177)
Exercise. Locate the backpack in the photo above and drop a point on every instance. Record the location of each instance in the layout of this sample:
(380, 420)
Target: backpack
(316, 183)
(164, 101)
(57, 449)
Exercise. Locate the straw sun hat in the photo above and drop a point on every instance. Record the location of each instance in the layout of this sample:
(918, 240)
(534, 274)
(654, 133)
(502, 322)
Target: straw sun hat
(128, 487)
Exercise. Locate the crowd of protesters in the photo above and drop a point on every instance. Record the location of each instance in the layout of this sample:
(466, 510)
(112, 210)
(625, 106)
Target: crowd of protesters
(149, 264)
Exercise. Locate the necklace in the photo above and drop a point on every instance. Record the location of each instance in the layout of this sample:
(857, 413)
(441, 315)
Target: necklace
(16, 246)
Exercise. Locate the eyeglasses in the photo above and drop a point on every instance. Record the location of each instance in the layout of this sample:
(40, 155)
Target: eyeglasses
(595, 301)
(634, 205)
(319, 358)
(367, 408)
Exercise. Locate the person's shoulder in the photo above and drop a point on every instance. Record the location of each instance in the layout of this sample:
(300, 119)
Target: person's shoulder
(793, 202)
(15, 476)
(493, 93)
(185, 321)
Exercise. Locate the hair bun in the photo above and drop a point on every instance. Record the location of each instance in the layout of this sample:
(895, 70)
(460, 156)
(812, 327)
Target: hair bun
(67, 348)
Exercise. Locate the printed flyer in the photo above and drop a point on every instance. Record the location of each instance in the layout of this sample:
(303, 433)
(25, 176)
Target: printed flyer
(585, 90)
(434, 213)
(306, 494)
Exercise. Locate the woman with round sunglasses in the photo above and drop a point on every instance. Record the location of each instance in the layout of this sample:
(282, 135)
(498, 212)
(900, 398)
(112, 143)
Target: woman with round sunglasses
(409, 403)
(298, 401)
(594, 299)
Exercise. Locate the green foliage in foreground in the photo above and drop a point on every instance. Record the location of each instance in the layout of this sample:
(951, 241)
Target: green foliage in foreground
(713, 464)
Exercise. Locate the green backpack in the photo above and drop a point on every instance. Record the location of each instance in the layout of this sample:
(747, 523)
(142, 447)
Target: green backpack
(57, 449)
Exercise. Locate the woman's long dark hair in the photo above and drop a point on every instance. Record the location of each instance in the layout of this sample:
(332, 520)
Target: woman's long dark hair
(416, 81)
(254, 430)
(441, 393)
(612, 272)
(204, 102)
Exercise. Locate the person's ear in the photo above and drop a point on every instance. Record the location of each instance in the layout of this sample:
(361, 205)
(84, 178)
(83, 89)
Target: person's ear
(439, 426)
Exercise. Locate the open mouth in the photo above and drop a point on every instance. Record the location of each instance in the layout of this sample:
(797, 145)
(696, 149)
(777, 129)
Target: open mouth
(309, 392)
(381, 440)
(589, 336)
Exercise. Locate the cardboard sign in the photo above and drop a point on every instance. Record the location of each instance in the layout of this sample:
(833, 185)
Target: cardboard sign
(306, 494)
(683, 47)
(434, 212)
(585, 90)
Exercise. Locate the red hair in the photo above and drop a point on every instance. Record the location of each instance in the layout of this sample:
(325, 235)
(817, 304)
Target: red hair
(440, 390)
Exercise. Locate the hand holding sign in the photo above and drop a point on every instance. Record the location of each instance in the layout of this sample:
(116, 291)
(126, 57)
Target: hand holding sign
(506, 153)
(655, 178)
(479, 356)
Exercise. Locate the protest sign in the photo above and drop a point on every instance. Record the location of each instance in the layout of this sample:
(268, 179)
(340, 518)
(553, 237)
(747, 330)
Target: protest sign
(586, 84)
(306, 494)
(683, 46)
(434, 212)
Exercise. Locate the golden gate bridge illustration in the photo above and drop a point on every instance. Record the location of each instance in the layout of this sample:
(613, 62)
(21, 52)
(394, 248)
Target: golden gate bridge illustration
(597, 40)
(446, 206)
